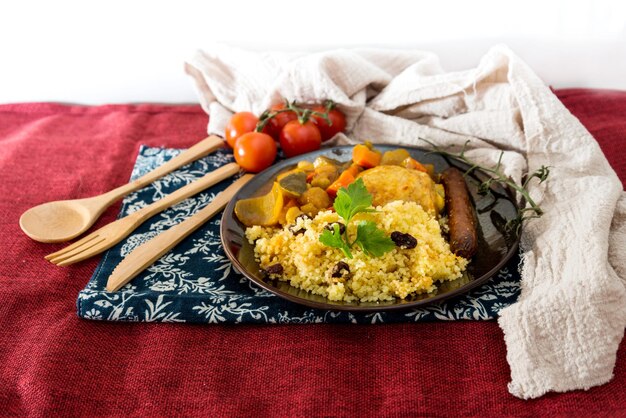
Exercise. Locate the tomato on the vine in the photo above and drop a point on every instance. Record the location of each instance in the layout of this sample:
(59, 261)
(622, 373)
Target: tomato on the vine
(255, 151)
(337, 119)
(298, 138)
(239, 124)
(278, 122)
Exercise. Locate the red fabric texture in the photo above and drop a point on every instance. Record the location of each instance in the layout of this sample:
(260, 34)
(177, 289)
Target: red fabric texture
(52, 362)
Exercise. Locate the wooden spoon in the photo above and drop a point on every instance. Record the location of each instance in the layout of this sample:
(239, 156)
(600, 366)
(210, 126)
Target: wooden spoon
(66, 219)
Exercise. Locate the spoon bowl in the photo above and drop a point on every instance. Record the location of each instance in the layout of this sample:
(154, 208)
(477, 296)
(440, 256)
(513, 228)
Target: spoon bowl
(62, 220)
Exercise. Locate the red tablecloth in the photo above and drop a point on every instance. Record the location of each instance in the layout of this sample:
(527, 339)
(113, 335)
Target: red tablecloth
(51, 362)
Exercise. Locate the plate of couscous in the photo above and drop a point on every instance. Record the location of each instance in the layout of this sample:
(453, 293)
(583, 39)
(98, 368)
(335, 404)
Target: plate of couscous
(369, 228)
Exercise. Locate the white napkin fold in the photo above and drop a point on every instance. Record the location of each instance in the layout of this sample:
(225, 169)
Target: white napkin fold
(564, 331)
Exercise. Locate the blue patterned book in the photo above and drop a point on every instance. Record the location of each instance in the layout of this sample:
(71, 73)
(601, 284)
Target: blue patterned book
(195, 282)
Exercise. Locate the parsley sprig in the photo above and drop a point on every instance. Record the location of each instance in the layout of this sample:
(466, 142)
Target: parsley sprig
(350, 201)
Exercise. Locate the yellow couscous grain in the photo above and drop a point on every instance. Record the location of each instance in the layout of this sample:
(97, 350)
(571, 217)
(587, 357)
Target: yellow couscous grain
(307, 263)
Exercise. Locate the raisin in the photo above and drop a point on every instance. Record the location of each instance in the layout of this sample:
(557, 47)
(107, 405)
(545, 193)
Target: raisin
(303, 216)
(274, 269)
(331, 227)
(339, 268)
(403, 240)
(293, 230)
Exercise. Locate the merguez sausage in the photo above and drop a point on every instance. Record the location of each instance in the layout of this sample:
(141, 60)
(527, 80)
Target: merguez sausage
(461, 217)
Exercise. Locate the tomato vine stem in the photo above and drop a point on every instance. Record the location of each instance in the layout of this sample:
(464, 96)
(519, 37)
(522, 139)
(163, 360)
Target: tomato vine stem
(303, 114)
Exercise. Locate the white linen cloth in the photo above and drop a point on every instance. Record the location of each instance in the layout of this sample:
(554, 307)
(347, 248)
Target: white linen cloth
(564, 331)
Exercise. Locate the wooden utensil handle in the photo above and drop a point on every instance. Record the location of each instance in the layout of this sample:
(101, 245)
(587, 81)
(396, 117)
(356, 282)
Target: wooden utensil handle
(146, 254)
(191, 189)
(199, 150)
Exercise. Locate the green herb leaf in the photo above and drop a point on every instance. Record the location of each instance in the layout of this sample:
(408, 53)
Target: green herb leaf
(334, 239)
(352, 200)
(372, 240)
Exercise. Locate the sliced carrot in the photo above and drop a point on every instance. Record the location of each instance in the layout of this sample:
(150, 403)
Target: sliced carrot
(365, 157)
(414, 164)
(343, 180)
(354, 169)
(290, 203)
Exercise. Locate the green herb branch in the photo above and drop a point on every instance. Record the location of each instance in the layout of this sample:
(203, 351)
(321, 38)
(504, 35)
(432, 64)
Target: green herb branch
(351, 201)
(496, 176)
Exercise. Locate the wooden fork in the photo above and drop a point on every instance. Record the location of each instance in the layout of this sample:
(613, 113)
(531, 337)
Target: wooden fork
(109, 235)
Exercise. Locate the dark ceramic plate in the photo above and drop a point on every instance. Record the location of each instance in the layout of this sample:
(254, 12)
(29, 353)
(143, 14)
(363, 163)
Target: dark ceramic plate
(495, 246)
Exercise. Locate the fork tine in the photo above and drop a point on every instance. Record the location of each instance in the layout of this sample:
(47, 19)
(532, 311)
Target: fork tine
(77, 250)
(71, 247)
(90, 252)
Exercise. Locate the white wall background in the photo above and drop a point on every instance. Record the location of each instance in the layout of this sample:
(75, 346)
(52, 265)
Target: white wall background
(133, 51)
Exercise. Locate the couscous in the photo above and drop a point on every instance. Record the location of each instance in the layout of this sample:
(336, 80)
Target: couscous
(310, 265)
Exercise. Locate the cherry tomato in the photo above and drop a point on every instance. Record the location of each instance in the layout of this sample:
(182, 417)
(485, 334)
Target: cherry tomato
(337, 118)
(240, 123)
(255, 151)
(297, 138)
(276, 124)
